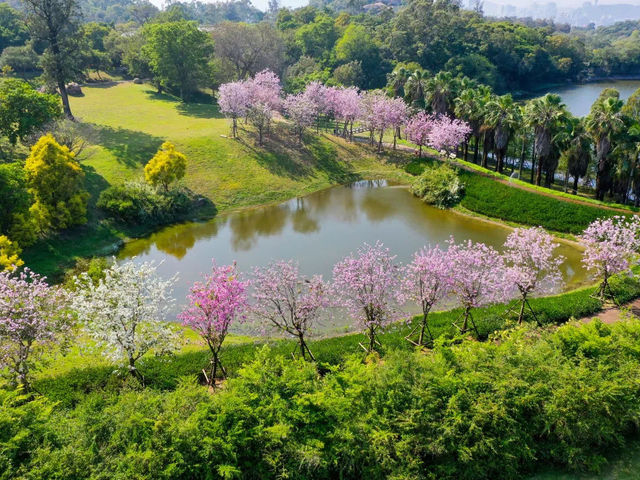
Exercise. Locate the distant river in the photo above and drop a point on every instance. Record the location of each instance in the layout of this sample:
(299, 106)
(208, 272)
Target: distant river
(579, 98)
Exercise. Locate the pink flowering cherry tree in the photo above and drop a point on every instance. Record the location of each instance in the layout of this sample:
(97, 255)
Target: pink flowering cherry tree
(447, 134)
(531, 265)
(264, 100)
(288, 301)
(214, 305)
(302, 110)
(426, 281)
(610, 246)
(34, 319)
(233, 100)
(365, 284)
(477, 276)
(418, 129)
(345, 104)
(398, 115)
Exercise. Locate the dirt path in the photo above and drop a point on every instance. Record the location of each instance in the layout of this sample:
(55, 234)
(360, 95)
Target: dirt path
(504, 181)
(612, 315)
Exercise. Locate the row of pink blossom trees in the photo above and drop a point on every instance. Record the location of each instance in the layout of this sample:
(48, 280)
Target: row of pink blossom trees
(373, 287)
(125, 311)
(258, 98)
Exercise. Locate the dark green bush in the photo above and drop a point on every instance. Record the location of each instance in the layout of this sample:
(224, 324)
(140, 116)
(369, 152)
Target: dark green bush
(470, 411)
(140, 204)
(20, 59)
(439, 186)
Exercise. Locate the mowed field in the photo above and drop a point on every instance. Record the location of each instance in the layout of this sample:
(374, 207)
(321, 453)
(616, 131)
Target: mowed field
(129, 122)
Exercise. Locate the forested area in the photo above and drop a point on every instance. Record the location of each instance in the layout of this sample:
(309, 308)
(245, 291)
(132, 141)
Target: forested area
(198, 106)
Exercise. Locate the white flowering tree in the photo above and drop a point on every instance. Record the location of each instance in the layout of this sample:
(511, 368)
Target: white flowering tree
(125, 313)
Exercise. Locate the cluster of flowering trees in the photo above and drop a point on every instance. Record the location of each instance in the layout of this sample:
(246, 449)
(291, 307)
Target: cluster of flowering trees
(125, 311)
(258, 98)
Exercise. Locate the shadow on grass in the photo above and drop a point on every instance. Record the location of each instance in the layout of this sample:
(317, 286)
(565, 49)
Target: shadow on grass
(200, 105)
(283, 154)
(130, 147)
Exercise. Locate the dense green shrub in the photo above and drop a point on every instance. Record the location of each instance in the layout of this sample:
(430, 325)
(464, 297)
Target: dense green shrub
(141, 204)
(20, 59)
(472, 410)
(439, 185)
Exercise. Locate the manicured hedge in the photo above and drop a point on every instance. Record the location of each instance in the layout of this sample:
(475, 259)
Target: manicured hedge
(491, 198)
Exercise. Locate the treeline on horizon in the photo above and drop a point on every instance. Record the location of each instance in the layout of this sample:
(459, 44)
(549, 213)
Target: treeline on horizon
(319, 43)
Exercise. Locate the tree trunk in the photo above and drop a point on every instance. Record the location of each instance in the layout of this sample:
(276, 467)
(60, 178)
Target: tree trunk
(485, 150)
(475, 149)
(539, 172)
(575, 185)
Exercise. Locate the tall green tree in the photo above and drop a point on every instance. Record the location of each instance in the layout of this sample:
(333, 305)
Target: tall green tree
(178, 54)
(441, 91)
(56, 22)
(544, 115)
(23, 109)
(415, 88)
(13, 31)
(503, 116)
(604, 122)
(577, 151)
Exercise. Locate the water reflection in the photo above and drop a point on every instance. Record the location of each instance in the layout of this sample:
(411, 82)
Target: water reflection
(317, 231)
(579, 98)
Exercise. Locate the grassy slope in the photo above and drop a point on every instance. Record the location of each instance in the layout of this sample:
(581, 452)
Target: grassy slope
(129, 122)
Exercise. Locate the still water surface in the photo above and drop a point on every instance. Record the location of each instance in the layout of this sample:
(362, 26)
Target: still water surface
(318, 230)
(579, 98)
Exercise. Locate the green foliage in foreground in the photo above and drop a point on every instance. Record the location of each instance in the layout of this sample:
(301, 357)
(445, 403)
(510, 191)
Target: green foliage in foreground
(472, 410)
(439, 185)
(491, 198)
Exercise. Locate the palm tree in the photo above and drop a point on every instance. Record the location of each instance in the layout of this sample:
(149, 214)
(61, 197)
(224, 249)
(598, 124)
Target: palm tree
(577, 151)
(441, 91)
(470, 107)
(503, 116)
(603, 122)
(544, 115)
(397, 80)
(415, 88)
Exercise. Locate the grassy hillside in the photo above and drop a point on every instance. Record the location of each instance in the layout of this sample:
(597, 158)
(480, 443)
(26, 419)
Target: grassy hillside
(128, 123)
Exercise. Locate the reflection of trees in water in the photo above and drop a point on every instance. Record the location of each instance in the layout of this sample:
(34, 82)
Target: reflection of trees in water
(246, 226)
(302, 220)
(378, 207)
(176, 240)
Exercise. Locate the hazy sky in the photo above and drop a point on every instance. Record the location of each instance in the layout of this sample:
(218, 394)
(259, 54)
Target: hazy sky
(262, 4)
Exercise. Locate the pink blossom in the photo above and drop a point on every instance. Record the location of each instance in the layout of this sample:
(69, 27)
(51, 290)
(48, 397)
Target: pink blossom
(477, 276)
(33, 319)
(213, 306)
(233, 99)
(365, 284)
(288, 301)
(302, 110)
(418, 129)
(426, 281)
(446, 133)
(530, 263)
(610, 246)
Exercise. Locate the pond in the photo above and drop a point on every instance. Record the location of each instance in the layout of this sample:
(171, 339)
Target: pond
(318, 230)
(579, 98)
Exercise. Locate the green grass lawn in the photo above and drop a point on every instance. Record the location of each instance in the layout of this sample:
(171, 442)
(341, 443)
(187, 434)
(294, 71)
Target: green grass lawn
(128, 123)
